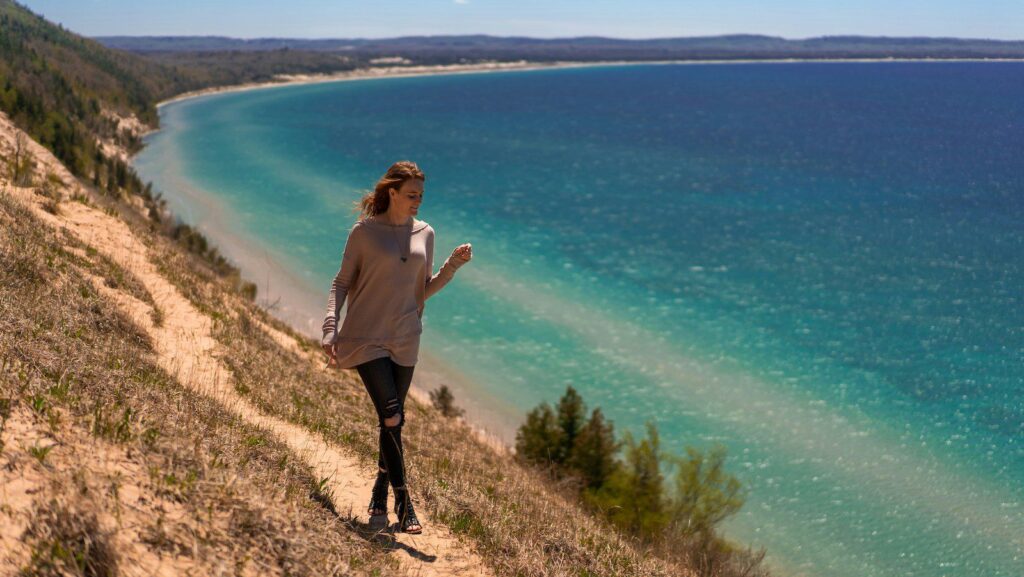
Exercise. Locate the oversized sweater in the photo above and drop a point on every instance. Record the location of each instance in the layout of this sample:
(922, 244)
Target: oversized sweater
(385, 278)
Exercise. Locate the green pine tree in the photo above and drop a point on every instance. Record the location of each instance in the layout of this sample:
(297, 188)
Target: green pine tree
(571, 417)
(593, 452)
(444, 401)
(634, 496)
(539, 439)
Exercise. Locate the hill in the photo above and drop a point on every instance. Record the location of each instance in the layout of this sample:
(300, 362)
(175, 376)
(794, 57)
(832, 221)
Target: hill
(89, 103)
(71, 93)
(452, 49)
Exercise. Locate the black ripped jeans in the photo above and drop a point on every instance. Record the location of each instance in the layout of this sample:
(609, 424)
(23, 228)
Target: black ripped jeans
(388, 383)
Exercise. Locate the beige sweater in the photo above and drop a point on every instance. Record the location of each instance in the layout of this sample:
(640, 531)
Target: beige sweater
(386, 275)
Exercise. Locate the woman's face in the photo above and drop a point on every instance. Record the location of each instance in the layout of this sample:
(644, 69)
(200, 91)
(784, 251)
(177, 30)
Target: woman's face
(406, 200)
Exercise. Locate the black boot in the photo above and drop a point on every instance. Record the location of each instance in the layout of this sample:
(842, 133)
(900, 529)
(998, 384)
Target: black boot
(379, 496)
(407, 521)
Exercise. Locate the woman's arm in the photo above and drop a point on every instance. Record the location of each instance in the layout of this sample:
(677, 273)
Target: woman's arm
(436, 282)
(350, 263)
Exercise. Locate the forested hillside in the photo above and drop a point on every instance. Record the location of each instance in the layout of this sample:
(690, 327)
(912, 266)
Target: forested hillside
(89, 104)
(471, 48)
(230, 67)
(67, 91)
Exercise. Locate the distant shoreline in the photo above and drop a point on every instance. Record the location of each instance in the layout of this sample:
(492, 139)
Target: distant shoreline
(524, 65)
(367, 74)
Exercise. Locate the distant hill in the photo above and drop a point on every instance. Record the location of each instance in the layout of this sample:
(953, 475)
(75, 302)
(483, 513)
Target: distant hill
(70, 93)
(65, 90)
(445, 49)
(230, 67)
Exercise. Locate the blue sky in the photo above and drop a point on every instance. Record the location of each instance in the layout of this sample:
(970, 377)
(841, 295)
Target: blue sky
(1002, 19)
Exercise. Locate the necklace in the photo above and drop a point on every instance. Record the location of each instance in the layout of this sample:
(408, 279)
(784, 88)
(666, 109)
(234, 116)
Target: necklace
(398, 242)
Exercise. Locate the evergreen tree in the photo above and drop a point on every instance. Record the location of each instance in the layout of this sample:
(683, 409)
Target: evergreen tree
(630, 491)
(539, 439)
(593, 452)
(444, 401)
(634, 496)
(571, 416)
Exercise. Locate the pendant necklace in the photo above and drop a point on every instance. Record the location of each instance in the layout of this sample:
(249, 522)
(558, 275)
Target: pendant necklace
(399, 243)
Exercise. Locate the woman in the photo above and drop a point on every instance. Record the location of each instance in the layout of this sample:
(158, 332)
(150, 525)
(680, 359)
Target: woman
(387, 276)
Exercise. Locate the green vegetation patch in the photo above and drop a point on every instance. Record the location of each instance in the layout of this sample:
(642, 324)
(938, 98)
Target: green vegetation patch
(624, 482)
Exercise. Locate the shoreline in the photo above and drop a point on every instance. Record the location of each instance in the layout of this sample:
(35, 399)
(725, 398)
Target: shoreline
(283, 80)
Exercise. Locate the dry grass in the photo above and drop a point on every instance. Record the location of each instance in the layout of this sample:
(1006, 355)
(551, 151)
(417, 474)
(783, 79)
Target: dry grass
(67, 539)
(203, 487)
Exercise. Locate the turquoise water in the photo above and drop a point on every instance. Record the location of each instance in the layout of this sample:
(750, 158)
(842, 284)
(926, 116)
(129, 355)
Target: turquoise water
(818, 265)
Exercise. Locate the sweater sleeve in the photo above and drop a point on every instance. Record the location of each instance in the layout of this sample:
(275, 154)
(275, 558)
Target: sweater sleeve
(350, 264)
(436, 282)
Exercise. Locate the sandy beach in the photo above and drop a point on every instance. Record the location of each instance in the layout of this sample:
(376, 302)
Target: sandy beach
(379, 72)
(523, 65)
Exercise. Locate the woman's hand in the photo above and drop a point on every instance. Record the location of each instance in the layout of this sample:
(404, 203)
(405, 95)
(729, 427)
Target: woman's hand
(462, 254)
(329, 351)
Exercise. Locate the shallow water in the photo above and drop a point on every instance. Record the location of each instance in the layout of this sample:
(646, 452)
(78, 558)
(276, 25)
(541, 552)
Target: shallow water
(818, 265)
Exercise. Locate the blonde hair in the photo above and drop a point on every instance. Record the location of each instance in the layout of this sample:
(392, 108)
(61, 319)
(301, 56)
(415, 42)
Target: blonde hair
(377, 201)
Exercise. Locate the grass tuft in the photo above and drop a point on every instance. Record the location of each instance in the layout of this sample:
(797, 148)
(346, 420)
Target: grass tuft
(65, 540)
(322, 493)
(40, 453)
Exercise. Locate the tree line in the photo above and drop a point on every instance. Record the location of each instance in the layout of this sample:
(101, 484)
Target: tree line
(624, 480)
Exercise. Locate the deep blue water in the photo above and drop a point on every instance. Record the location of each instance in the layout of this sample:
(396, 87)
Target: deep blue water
(818, 265)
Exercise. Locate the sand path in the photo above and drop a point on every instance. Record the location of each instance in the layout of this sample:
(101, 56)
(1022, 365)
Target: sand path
(186, 348)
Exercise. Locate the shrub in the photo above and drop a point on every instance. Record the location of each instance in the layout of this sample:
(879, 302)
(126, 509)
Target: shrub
(706, 494)
(444, 401)
(633, 497)
(67, 540)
